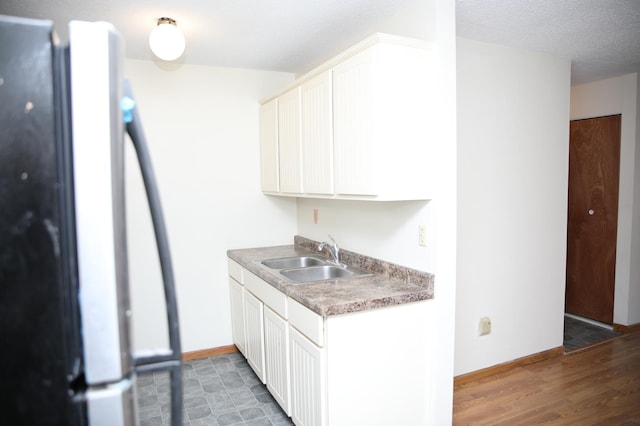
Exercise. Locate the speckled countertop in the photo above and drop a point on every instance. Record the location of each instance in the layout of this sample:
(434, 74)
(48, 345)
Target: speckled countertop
(389, 284)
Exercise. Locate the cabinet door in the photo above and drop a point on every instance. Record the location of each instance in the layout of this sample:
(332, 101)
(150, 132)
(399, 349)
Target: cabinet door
(308, 387)
(317, 135)
(289, 140)
(269, 162)
(276, 354)
(354, 123)
(253, 311)
(236, 292)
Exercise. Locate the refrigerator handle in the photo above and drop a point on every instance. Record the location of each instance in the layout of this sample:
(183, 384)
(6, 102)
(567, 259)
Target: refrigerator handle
(166, 361)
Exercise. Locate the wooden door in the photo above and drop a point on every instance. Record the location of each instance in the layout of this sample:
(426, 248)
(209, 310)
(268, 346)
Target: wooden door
(594, 164)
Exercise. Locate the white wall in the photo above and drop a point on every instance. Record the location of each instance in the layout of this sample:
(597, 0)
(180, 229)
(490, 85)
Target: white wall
(202, 129)
(385, 230)
(446, 210)
(513, 143)
(389, 230)
(620, 95)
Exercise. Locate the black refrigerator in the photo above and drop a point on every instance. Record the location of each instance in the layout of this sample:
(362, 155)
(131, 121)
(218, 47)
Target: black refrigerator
(66, 112)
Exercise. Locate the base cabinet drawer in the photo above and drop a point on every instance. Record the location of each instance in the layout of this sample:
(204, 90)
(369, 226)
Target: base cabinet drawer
(267, 294)
(306, 321)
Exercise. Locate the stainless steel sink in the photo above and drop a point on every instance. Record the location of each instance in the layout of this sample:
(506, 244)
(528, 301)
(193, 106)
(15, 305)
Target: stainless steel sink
(293, 262)
(306, 269)
(316, 273)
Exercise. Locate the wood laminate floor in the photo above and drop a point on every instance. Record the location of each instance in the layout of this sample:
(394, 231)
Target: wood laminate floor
(599, 385)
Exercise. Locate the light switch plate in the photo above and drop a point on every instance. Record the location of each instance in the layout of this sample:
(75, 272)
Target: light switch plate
(422, 235)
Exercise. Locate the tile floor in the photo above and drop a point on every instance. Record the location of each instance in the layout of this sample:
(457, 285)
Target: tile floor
(578, 334)
(221, 390)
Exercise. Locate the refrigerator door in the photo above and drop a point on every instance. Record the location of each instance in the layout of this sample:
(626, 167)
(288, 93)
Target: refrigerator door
(64, 299)
(96, 73)
(41, 355)
(99, 111)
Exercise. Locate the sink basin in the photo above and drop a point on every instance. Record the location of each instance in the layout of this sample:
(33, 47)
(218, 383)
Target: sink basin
(293, 262)
(316, 273)
(305, 269)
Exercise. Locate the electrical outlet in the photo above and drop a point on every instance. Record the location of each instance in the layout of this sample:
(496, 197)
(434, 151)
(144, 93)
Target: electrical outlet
(484, 327)
(422, 235)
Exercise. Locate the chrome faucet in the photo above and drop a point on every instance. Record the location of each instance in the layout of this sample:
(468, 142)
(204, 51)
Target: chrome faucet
(334, 250)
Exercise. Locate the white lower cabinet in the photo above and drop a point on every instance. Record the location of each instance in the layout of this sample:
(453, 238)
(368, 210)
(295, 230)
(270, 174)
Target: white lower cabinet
(260, 330)
(308, 385)
(276, 354)
(254, 329)
(236, 292)
(372, 367)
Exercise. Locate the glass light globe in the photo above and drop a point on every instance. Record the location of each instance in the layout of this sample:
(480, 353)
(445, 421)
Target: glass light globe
(166, 40)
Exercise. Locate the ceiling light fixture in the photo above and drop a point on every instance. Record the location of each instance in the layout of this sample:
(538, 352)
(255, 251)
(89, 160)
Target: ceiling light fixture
(166, 40)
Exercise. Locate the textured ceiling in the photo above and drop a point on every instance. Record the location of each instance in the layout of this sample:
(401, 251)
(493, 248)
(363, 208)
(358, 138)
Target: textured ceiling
(602, 38)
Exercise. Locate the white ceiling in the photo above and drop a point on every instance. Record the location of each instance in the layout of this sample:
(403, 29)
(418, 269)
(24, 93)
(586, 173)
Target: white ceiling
(602, 38)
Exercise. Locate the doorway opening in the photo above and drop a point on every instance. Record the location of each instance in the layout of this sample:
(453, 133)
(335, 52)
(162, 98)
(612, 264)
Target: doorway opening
(592, 221)
(580, 332)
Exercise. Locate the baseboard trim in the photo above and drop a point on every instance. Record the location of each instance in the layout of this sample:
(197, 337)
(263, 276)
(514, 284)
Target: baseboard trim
(206, 353)
(626, 328)
(506, 366)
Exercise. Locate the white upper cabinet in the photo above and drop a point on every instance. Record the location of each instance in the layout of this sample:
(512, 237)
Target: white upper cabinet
(363, 124)
(269, 163)
(382, 108)
(354, 125)
(317, 135)
(289, 141)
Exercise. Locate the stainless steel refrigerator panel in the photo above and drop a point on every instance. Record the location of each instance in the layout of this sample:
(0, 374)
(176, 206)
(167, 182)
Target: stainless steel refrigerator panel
(98, 156)
(112, 405)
